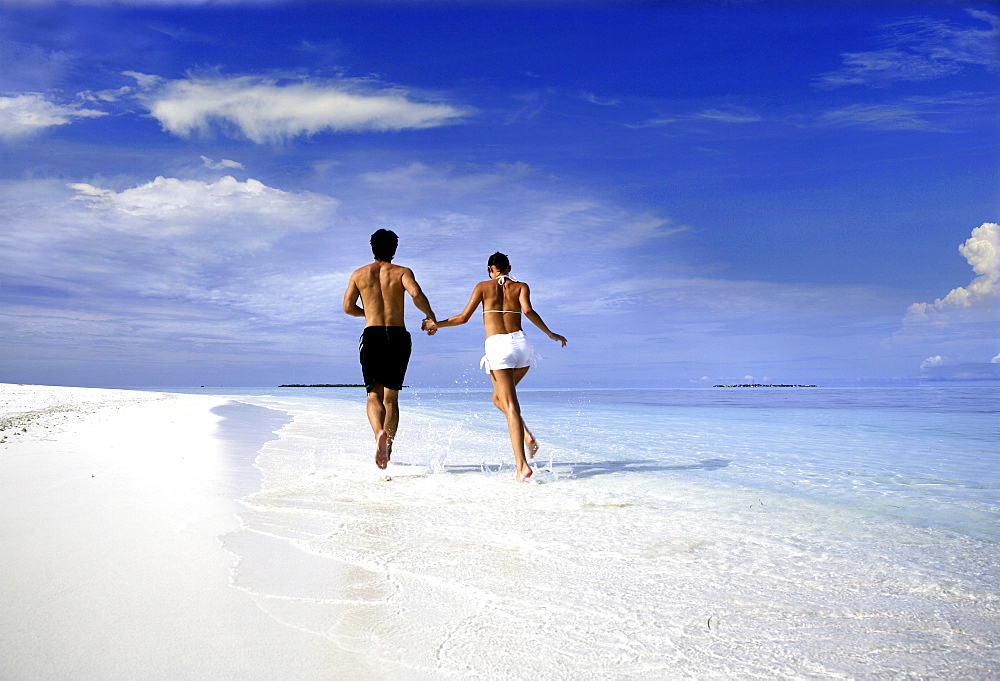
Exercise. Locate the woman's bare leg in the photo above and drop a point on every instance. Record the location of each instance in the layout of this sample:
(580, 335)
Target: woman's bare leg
(529, 440)
(505, 399)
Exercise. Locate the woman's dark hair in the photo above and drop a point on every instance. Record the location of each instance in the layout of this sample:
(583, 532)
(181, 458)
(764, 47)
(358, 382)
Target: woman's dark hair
(500, 261)
(384, 244)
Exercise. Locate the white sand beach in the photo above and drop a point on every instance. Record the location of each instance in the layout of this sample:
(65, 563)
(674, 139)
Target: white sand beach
(112, 504)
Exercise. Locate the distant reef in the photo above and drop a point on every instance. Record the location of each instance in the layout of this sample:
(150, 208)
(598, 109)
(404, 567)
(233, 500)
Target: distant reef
(323, 385)
(763, 385)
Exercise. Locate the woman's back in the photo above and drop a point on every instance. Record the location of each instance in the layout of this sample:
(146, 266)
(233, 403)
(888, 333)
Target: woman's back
(501, 306)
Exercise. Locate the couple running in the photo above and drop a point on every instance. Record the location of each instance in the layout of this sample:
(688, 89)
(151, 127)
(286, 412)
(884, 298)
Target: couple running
(385, 342)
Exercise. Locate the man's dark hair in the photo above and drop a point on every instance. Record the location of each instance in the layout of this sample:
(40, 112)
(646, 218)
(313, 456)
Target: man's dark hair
(500, 261)
(384, 244)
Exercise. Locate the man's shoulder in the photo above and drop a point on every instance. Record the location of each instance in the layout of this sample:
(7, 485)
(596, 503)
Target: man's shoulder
(373, 268)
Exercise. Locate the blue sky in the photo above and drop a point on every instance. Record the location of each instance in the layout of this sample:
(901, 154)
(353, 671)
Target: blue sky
(698, 193)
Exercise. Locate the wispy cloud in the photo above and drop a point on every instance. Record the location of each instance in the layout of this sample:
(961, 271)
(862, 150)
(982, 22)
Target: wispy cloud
(533, 104)
(876, 116)
(944, 113)
(601, 101)
(265, 110)
(919, 49)
(731, 114)
(656, 122)
(25, 115)
(224, 164)
(29, 67)
(181, 34)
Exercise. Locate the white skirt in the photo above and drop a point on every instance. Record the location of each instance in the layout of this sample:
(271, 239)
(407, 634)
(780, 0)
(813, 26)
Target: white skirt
(508, 351)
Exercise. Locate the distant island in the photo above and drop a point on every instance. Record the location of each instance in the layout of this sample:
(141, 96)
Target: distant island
(323, 385)
(763, 385)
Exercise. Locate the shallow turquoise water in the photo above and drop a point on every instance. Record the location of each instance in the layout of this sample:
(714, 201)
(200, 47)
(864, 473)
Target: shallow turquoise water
(672, 533)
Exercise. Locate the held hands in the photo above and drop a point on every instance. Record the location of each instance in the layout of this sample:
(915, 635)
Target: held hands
(430, 326)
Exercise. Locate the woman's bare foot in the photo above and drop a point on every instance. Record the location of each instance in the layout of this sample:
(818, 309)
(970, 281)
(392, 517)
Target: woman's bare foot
(382, 451)
(523, 476)
(532, 445)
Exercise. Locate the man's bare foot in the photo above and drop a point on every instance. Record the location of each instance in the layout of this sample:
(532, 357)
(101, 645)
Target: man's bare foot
(382, 453)
(532, 446)
(522, 477)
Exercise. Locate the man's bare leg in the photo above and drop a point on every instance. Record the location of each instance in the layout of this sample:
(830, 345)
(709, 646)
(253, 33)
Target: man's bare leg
(505, 398)
(376, 418)
(391, 421)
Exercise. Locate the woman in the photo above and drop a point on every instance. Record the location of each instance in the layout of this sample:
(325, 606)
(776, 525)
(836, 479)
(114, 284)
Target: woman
(508, 353)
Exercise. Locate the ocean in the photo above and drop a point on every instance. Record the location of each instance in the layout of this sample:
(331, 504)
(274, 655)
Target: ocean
(702, 533)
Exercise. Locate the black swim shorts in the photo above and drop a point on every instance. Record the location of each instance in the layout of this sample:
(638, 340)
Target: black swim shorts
(385, 352)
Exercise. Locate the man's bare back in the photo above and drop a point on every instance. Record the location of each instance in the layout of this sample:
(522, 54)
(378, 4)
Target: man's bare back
(380, 286)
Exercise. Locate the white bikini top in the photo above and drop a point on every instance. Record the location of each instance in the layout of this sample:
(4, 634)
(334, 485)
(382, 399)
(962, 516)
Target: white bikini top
(501, 280)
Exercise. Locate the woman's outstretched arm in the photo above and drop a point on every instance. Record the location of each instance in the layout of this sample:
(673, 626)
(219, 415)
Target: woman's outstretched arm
(536, 319)
(462, 317)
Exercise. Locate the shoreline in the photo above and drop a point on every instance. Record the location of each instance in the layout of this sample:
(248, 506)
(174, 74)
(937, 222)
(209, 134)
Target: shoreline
(114, 563)
(132, 551)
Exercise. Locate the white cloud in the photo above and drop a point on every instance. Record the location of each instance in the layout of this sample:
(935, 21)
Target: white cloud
(236, 216)
(107, 95)
(982, 251)
(919, 49)
(143, 80)
(27, 114)
(221, 165)
(166, 256)
(935, 361)
(264, 110)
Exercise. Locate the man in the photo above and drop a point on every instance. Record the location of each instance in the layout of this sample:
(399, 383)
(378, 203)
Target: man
(385, 342)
